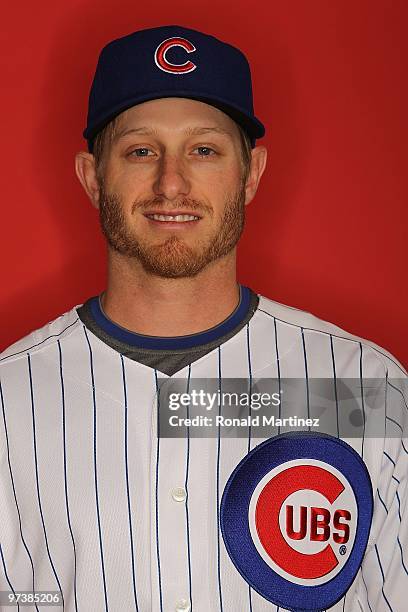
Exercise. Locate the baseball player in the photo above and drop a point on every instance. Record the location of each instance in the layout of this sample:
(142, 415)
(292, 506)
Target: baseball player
(110, 500)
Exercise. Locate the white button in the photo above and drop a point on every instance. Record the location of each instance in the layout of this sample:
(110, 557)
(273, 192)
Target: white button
(182, 606)
(179, 494)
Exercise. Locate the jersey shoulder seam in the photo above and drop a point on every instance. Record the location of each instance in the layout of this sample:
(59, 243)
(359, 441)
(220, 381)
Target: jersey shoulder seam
(381, 356)
(41, 344)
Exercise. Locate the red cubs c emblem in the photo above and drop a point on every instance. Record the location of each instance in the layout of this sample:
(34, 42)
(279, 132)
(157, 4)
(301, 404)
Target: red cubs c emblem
(302, 518)
(164, 64)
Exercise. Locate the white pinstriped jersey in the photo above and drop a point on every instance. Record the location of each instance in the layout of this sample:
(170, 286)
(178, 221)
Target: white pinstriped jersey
(94, 505)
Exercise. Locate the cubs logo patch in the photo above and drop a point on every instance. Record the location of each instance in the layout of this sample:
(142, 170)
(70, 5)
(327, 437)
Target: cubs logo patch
(164, 64)
(295, 517)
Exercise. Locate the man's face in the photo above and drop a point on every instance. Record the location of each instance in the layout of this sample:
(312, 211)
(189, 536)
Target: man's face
(172, 194)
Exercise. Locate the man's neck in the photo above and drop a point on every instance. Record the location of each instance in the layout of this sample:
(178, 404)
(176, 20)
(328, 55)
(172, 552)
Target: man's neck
(155, 306)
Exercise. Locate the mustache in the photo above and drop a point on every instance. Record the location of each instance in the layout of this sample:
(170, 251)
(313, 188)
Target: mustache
(156, 202)
(160, 204)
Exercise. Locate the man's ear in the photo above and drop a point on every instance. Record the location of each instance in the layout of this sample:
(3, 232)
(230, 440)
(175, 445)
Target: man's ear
(86, 172)
(258, 163)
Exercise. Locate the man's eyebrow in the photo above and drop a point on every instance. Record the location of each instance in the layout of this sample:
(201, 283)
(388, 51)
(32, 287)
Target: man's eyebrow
(197, 131)
(190, 131)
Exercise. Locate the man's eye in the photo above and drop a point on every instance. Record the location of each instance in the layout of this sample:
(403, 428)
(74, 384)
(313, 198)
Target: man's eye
(144, 152)
(140, 152)
(204, 151)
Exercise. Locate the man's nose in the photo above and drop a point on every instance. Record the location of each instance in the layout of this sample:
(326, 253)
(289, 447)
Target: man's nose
(171, 180)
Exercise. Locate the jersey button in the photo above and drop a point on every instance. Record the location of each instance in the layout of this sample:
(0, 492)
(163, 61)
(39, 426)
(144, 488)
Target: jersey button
(182, 606)
(179, 495)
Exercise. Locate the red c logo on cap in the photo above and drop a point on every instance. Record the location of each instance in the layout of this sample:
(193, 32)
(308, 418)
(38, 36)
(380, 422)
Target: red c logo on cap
(165, 65)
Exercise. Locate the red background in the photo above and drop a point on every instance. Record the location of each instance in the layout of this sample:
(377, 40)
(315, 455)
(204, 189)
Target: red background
(326, 230)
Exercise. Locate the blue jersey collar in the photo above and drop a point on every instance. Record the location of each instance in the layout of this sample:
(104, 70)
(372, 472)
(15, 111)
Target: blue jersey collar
(172, 342)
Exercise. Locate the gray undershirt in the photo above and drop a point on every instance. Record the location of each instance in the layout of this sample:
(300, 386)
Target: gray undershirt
(167, 361)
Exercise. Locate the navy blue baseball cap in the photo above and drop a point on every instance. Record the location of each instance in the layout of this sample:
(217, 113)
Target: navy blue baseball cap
(171, 61)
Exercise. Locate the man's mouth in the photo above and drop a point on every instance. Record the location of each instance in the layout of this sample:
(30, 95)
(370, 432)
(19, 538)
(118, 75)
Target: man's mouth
(174, 218)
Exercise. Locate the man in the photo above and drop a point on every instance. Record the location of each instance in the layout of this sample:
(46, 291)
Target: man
(102, 503)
